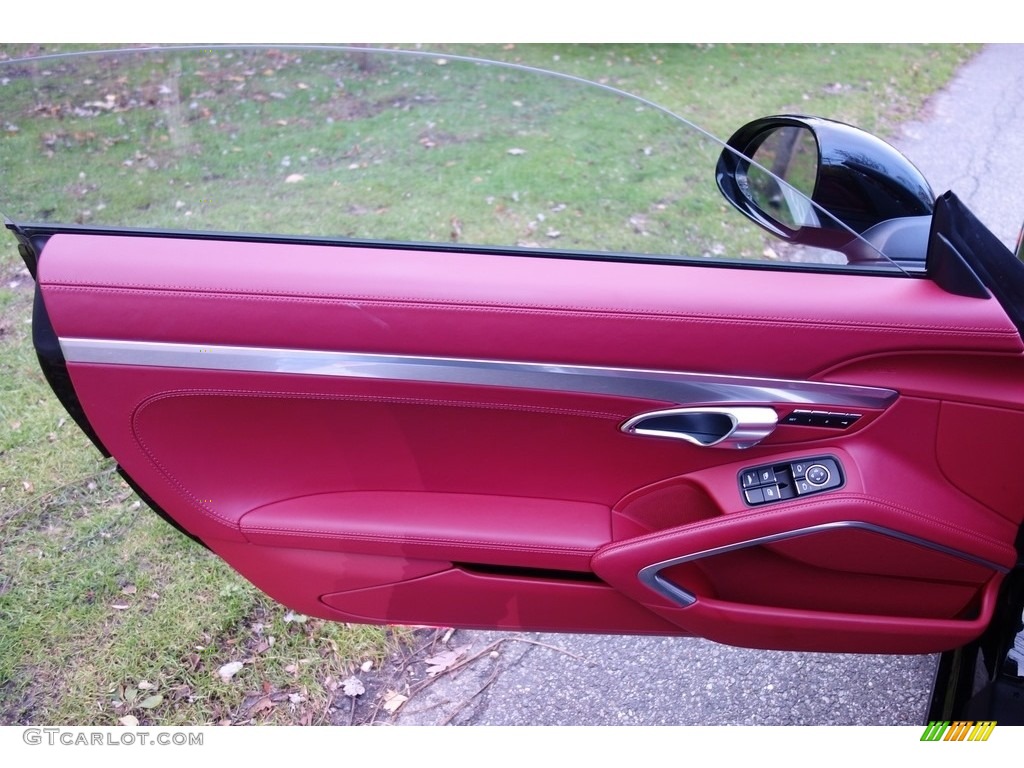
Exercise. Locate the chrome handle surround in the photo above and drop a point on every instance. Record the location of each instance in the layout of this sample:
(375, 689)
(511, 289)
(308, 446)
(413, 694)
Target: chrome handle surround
(750, 425)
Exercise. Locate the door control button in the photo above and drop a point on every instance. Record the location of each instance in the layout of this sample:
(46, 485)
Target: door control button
(771, 493)
(765, 475)
(817, 475)
(754, 496)
(843, 420)
(749, 478)
(826, 419)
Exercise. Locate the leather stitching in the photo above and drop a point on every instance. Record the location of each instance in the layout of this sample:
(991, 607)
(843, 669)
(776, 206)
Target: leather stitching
(566, 311)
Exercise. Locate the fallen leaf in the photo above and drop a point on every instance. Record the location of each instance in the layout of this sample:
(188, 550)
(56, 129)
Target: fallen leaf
(265, 703)
(294, 178)
(229, 670)
(516, 151)
(145, 685)
(393, 700)
(129, 720)
(353, 687)
(151, 702)
(129, 589)
(292, 616)
(182, 692)
(120, 607)
(366, 666)
(297, 698)
(446, 660)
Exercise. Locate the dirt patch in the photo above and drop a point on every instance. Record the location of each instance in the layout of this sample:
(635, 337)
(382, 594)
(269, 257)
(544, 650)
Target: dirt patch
(17, 707)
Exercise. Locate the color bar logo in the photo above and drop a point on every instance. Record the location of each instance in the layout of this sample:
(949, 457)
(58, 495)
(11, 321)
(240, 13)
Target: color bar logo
(960, 730)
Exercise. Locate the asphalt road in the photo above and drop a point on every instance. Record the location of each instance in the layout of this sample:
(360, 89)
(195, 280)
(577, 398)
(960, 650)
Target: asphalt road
(968, 140)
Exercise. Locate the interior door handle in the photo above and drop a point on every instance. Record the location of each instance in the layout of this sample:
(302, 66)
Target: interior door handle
(725, 427)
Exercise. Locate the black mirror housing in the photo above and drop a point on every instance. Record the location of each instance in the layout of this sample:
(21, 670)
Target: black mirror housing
(856, 178)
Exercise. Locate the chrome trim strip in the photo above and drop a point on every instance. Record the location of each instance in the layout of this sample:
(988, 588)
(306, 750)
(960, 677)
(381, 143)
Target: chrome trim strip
(651, 576)
(750, 426)
(669, 386)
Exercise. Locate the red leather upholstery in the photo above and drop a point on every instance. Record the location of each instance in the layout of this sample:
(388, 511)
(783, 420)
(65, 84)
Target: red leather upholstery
(352, 498)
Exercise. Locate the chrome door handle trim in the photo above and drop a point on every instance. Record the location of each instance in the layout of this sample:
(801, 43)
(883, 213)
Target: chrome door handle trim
(720, 427)
(648, 384)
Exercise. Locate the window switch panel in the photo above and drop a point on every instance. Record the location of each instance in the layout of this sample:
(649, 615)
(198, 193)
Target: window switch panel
(769, 483)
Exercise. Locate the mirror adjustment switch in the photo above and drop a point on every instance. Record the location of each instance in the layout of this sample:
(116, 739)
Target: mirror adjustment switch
(748, 478)
(818, 475)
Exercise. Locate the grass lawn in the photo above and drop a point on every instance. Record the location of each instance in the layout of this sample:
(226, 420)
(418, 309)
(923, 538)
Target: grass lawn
(108, 614)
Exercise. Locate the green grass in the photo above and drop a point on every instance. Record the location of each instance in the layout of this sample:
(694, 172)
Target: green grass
(425, 148)
(103, 607)
(98, 595)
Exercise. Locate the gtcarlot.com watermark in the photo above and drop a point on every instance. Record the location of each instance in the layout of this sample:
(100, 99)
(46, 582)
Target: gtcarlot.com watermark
(77, 737)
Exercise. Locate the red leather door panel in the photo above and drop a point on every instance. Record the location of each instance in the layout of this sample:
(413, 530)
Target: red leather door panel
(347, 477)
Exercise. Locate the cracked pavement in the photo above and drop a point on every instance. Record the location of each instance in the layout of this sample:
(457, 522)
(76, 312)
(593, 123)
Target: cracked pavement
(968, 140)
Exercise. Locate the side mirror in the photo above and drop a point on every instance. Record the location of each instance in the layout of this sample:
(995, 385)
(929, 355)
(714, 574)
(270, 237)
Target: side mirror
(820, 183)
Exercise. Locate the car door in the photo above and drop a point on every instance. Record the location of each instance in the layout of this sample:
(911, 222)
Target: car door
(381, 419)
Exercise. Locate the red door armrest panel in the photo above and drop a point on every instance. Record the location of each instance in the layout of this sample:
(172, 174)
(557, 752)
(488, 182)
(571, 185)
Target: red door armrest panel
(748, 576)
(459, 527)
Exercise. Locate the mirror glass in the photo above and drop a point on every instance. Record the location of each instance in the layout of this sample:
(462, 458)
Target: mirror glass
(790, 154)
